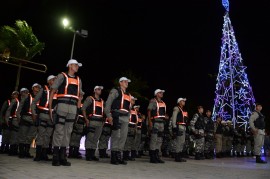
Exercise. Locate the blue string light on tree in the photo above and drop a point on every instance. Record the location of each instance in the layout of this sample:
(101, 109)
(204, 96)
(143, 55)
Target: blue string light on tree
(226, 4)
(234, 97)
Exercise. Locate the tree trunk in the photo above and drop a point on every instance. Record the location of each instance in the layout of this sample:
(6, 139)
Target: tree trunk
(18, 77)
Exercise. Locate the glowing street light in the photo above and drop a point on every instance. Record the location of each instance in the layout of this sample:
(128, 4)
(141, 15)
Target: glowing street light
(83, 33)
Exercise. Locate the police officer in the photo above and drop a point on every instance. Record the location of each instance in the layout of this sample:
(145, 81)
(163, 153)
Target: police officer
(179, 120)
(92, 110)
(218, 131)
(76, 135)
(156, 112)
(138, 137)
(117, 110)
(257, 124)
(209, 135)
(6, 120)
(68, 87)
(197, 127)
(104, 140)
(132, 130)
(28, 129)
(40, 113)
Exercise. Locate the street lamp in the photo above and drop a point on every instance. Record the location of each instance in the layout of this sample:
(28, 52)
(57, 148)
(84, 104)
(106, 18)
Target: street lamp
(83, 33)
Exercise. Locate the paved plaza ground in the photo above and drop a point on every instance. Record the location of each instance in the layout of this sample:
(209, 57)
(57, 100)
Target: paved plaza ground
(12, 167)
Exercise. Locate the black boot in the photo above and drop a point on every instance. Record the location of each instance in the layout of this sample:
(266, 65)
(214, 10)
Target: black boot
(50, 150)
(71, 152)
(77, 153)
(6, 150)
(11, 150)
(126, 155)
(114, 158)
(120, 159)
(140, 152)
(44, 155)
(92, 155)
(27, 151)
(2, 148)
(63, 155)
(88, 155)
(197, 156)
(15, 149)
(38, 153)
(55, 160)
(157, 157)
(21, 150)
(152, 154)
(133, 155)
(101, 153)
(259, 160)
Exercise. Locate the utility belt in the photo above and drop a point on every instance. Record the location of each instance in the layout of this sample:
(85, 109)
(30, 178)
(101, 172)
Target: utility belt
(93, 118)
(131, 125)
(181, 123)
(121, 113)
(70, 101)
(158, 120)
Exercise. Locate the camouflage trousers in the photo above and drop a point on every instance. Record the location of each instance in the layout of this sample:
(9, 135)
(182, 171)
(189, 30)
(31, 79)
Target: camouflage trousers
(199, 145)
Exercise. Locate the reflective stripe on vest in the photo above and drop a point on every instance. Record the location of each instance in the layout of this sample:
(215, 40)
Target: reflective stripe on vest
(99, 104)
(160, 105)
(70, 81)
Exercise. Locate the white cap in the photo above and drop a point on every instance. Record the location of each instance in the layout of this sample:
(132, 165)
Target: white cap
(158, 91)
(124, 79)
(133, 98)
(15, 92)
(136, 106)
(50, 77)
(23, 89)
(98, 87)
(181, 99)
(36, 84)
(72, 61)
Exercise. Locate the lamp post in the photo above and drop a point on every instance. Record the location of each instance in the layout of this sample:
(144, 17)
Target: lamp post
(83, 33)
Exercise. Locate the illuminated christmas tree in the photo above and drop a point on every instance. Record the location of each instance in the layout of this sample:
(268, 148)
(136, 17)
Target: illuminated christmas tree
(234, 97)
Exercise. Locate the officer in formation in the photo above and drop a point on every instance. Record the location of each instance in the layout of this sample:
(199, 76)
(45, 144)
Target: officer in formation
(117, 110)
(156, 112)
(197, 127)
(209, 135)
(68, 87)
(9, 108)
(92, 109)
(76, 135)
(27, 129)
(103, 142)
(40, 114)
(257, 124)
(138, 136)
(129, 148)
(179, 121)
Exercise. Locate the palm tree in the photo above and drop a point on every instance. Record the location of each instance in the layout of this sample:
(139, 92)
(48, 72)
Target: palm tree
(21, 43)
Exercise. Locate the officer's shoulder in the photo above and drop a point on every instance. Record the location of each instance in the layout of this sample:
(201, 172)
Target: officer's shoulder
(176, 108)
(152, 100)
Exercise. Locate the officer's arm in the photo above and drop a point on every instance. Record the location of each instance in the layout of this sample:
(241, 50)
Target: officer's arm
(86, 103)
(174, 115)
(18, 113)
(192, 123)
(35, 101)
(7, 115)
(252, 119)
(112, 96)
(2, 112)
(81, 91)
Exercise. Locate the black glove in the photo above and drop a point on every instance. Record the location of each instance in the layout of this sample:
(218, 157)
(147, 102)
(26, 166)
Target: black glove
(175, 132)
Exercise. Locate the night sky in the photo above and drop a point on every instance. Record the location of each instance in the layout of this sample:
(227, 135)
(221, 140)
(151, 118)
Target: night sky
(173, 45)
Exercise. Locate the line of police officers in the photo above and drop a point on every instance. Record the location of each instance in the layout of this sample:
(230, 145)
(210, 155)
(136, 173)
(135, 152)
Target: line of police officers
(55, 113)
